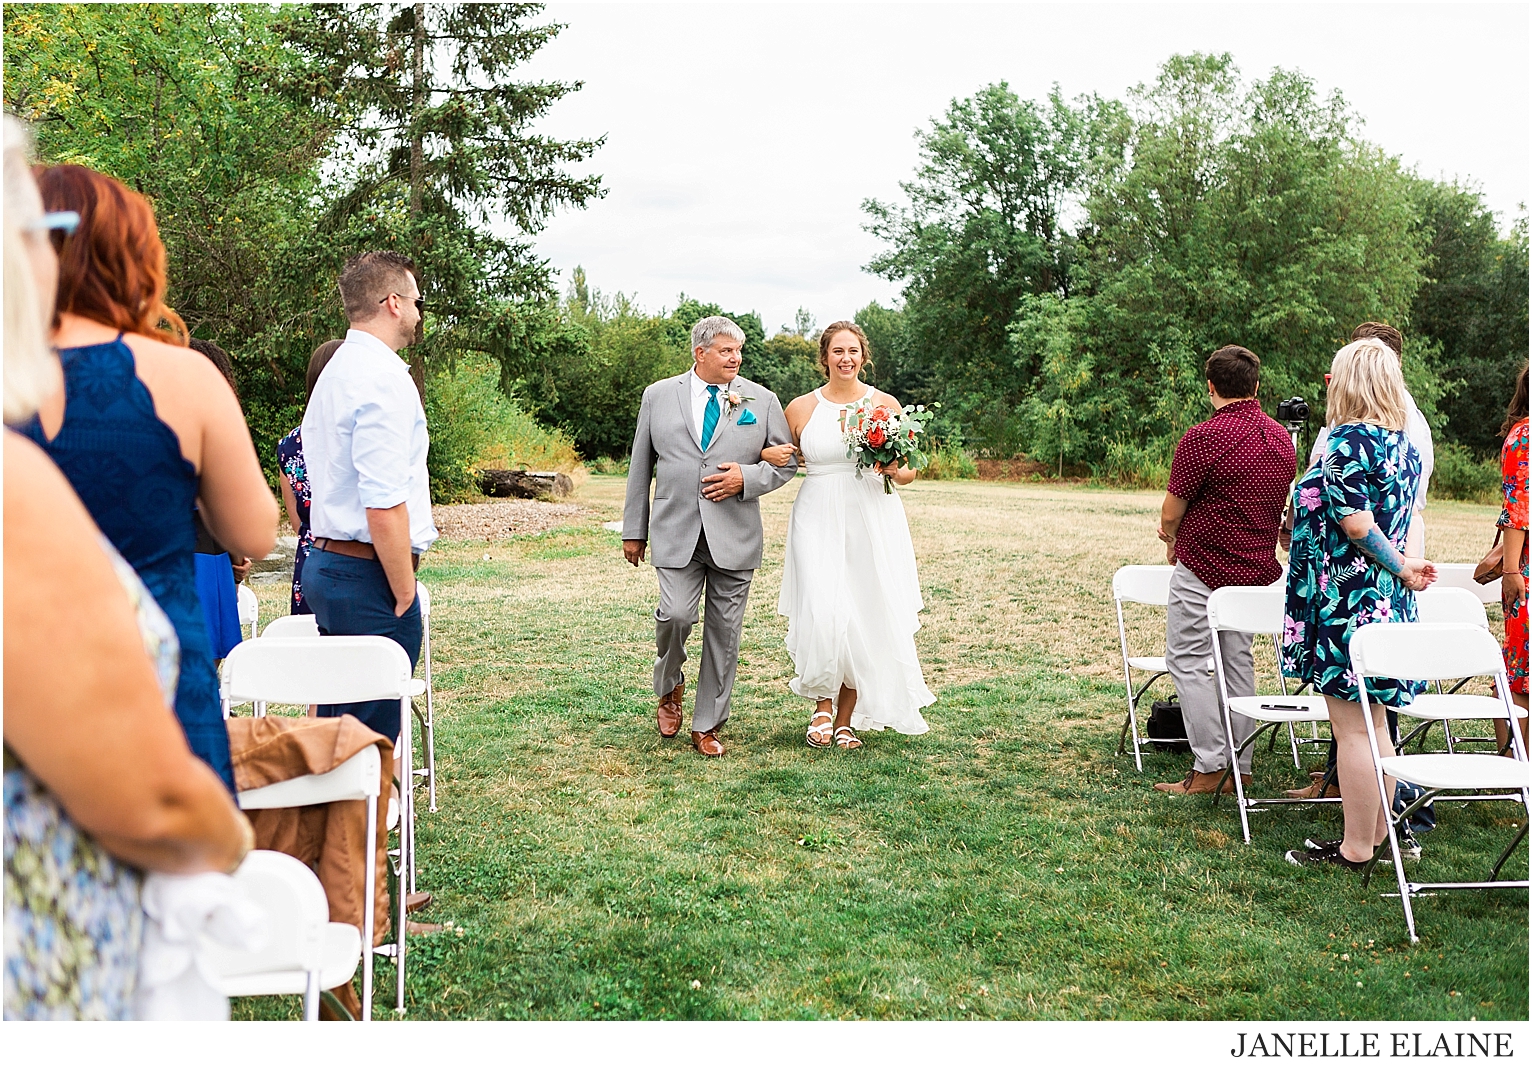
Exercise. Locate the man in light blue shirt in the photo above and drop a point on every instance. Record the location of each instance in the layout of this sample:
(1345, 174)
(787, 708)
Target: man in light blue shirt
(365, 443)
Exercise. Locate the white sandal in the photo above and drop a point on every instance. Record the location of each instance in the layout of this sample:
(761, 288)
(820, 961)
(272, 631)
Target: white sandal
(819, 727)
(846, 739)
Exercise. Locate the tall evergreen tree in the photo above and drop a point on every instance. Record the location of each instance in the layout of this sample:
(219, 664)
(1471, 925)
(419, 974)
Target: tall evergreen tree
(439, 159)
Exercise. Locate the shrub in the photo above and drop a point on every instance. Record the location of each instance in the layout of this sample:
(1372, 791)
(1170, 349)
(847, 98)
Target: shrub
(948, 462)
(474, 425)
(1459, 476)
(1143, 465)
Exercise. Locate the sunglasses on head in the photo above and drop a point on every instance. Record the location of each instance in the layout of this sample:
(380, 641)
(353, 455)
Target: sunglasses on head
(67, 221)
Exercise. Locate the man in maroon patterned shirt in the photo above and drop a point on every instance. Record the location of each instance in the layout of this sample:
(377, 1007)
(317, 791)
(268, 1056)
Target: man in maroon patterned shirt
(1223, 506)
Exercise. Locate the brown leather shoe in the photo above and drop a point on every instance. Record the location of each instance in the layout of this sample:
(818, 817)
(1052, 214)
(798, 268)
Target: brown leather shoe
(1197, 782)
(668, 715)
(707, 743)
(1312, 791)
(416, 902)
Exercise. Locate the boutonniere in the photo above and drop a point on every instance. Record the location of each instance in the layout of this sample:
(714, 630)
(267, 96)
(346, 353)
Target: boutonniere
(733, 401)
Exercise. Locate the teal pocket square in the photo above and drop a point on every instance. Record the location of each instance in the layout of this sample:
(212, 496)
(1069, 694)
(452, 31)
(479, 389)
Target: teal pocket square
(746, 418)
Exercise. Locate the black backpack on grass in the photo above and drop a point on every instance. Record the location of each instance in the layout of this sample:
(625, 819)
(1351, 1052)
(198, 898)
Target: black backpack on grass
(1165, 722)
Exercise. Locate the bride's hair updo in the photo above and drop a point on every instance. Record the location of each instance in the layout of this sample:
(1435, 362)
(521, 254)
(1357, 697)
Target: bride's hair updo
(831, 330)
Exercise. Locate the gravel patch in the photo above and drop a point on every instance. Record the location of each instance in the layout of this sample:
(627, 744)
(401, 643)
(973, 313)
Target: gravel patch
(498, 519)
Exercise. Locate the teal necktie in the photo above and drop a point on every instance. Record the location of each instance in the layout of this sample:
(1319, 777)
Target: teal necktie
(710, 416)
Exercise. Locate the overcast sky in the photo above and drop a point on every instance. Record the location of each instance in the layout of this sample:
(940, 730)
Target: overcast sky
(741, 139)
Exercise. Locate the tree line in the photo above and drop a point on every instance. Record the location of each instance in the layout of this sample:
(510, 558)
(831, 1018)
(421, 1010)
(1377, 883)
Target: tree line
(1065, 264)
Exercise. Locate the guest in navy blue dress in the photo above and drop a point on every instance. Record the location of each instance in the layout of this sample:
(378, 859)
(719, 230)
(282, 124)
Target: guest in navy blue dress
(145, 429)
(295, 482)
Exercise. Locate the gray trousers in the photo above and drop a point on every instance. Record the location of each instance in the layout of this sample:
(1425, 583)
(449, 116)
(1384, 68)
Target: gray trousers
(1188, 650)
(680, 590)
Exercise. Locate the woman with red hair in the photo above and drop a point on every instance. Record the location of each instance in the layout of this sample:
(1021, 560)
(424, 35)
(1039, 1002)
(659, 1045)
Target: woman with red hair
(145, 428)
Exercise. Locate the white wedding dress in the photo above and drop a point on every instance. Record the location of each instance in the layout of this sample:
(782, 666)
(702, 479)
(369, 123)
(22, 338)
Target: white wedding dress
(849, 588)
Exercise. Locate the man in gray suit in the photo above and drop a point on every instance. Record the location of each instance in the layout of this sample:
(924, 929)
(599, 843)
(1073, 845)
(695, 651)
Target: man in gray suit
(700, 437)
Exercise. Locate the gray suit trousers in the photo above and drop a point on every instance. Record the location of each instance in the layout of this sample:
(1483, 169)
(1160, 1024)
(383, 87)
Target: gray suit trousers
(1188, 648)
(680, 590)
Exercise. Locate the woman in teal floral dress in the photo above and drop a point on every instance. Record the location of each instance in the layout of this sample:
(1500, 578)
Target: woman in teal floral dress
(1347, 569)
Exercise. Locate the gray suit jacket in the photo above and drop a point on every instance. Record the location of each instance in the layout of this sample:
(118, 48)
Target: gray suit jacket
(665, 450)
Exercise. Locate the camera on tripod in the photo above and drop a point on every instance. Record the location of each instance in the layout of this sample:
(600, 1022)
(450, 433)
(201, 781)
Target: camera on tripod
(1294, 411)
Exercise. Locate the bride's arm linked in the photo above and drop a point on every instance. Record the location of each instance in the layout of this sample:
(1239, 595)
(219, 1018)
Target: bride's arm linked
(797, 414)
(761, 478)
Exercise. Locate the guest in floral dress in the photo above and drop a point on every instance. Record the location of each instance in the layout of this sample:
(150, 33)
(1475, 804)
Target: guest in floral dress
(1347, 569)
(1513, 521)
(295, 482)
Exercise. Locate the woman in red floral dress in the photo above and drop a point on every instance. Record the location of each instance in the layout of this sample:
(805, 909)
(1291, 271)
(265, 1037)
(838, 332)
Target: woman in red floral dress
(1513, 521)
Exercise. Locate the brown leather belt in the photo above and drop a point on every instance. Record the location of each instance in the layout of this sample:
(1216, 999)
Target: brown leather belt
(356, 550)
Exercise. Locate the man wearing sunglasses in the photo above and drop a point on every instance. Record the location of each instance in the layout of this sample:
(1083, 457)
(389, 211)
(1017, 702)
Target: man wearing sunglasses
(365, 444)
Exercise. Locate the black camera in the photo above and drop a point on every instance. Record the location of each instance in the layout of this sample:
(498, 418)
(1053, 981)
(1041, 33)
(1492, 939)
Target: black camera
(1293, 410)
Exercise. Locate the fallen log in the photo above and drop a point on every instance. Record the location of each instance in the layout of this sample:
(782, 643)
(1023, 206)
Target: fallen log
(528, 485)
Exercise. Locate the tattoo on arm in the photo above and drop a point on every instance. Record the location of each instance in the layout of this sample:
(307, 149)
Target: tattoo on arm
(1378, 548)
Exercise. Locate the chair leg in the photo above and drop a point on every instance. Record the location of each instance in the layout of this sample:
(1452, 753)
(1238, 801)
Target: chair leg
(1521, 835)
(1292, 739)
(311, 998)
(430, 720)
(369, 917)
(406, 848)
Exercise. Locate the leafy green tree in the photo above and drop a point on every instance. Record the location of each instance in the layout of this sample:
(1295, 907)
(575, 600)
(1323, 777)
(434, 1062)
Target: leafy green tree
(192, 105)
(985, 225)
(1473, 307)
(788, 365)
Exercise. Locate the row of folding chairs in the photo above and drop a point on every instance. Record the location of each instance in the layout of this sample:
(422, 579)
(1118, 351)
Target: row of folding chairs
(1450, 644)
(292, 664)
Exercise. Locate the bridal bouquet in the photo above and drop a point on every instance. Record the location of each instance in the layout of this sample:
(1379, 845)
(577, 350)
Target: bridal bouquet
(879, 433)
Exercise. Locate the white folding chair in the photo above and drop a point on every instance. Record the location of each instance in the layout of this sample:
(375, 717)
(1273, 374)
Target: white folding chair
(423, 597)
(337, 670)
(1258, 611)
(1444, 606)
(1460, 576)
(1425, 652)
(292, 626)
(306, 953)
(1139, 584)
(249, 608)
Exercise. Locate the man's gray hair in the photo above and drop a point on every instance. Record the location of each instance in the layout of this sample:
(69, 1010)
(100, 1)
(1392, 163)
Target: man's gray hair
(713, 327)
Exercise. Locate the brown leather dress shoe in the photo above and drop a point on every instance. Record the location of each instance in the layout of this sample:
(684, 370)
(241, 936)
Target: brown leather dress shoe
(707, 743)
(668, 715)
(346, 995)
(1312, 792)
(1196, 782)
(416, 902)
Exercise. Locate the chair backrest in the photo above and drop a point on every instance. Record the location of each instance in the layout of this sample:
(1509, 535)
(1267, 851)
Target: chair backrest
(1422, 651)
(1460, 576)
(249, 606)
(355, 779)
(303, 670)
(1451, 605)
(296, 913)
(423, 595)
(1142, 584)
(291, 626)
(1248, 609)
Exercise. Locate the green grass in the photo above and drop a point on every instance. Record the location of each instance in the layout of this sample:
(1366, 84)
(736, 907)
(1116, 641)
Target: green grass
(1006, 865)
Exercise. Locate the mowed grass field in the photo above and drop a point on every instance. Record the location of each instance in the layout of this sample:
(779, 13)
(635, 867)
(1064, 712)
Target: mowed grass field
(1006, 865)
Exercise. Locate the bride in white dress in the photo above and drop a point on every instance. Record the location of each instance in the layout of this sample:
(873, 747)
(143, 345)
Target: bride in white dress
(849, 587)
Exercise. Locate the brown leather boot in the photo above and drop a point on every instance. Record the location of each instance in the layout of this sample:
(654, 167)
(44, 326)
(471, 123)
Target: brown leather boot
(668, 715)
(1196, 782)
(1312, 791)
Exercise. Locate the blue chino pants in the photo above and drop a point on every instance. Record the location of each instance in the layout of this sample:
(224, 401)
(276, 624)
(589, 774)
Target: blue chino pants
(351, 597)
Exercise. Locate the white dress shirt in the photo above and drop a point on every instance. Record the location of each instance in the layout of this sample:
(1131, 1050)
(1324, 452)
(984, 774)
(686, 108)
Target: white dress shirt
(365, 444)
(699, 390)
(1417, 433)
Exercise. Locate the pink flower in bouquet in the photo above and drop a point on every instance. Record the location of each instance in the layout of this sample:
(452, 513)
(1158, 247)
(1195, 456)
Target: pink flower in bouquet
(876, 437)
(880, 414)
